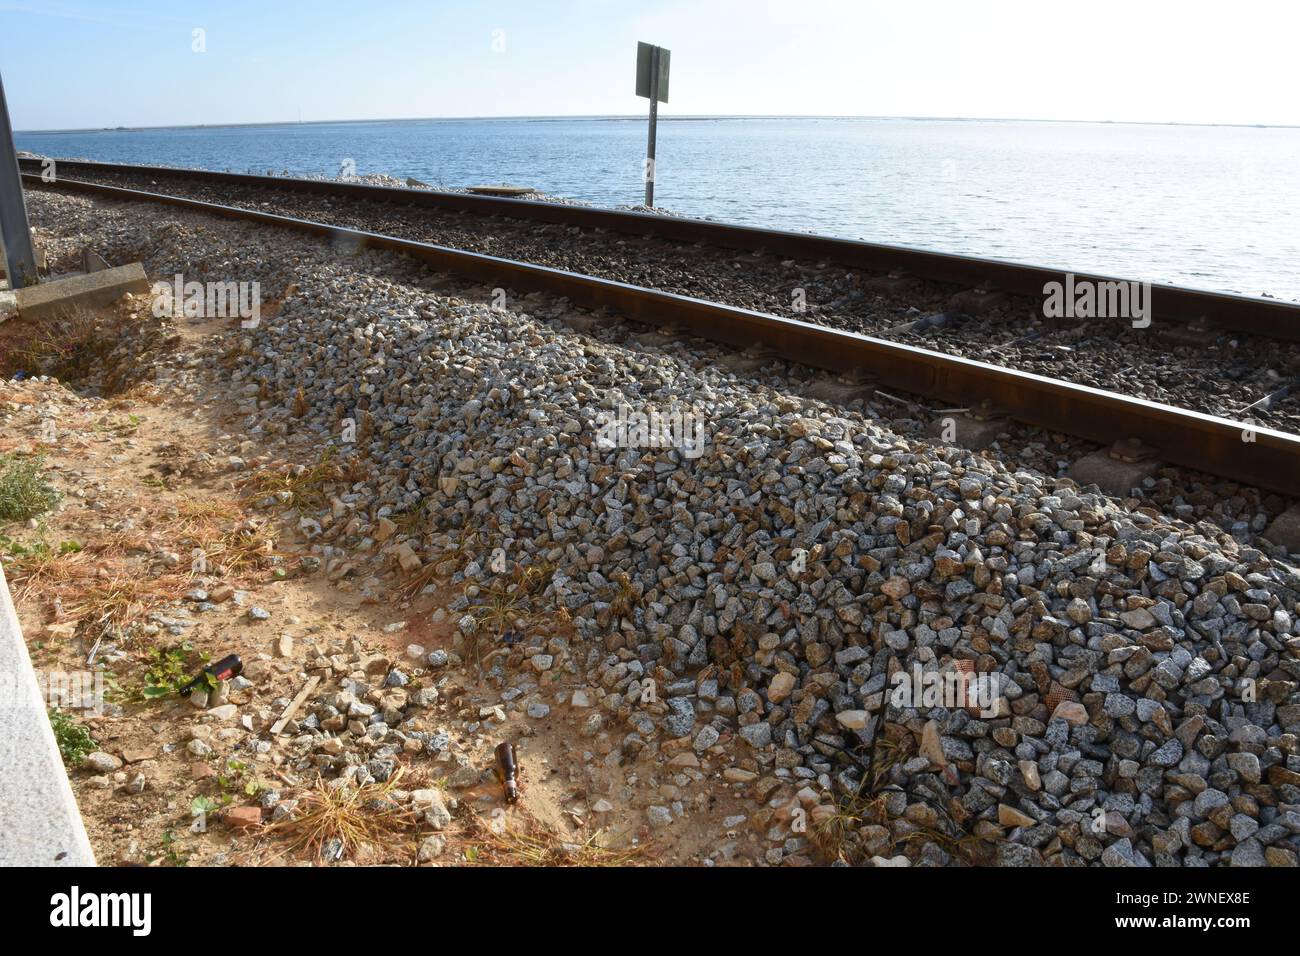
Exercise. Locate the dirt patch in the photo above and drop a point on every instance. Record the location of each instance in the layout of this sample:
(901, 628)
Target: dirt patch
(177, 543)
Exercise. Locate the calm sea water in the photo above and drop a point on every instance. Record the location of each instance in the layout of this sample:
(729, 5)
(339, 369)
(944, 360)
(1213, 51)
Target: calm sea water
(1209, 207)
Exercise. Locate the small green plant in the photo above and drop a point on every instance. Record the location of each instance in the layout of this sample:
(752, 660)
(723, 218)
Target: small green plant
(202, 805)
(201, 808)
(74, 740)
(238, 776)
(171, 852)
(40, 548)
(24, 492)
(168, 671)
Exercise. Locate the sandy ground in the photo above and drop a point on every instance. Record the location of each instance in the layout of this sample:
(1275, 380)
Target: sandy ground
(140, 472)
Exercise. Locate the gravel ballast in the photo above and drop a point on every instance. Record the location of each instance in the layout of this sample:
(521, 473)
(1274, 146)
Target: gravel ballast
(1141, 670)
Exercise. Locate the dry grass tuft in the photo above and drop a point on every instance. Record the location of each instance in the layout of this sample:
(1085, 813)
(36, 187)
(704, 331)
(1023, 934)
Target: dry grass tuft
(239, 550)
(88, 585)
(413, 520)
(120, 599)
(364, 820)
(201, 517)
(625, 598)
(111, 348)
(121, 543)
(833, 835)
(836, 835)
(510, 605)
(39, 568)
(60, 347)
(534, 844)
(304, 485)
(466, 546)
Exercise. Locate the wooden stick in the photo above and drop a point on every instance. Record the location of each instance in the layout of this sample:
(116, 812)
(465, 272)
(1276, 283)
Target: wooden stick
(293, 706)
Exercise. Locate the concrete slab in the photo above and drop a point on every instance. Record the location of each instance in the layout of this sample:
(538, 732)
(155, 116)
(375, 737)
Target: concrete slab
(967, 432)
(1285, 530)
(1111, 475)
(92, 261)
(68, 293)
(40, 824)
(501, 190)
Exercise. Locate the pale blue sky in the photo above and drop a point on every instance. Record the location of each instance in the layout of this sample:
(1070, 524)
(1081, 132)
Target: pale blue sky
(85, 63)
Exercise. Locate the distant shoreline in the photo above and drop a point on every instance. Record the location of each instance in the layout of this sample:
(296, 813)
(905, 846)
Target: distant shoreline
(639, 118)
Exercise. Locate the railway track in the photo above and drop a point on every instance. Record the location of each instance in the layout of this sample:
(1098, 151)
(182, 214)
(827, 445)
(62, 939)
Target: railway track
(1261, 456)
(1208, 352)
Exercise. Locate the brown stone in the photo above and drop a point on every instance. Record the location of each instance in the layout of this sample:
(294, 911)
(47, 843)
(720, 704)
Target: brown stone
(932, 745)
(896, 588)
(1011, 817)
(1029, 770)
(780, 687)
(244, 817)
(1279, 776)
(1072, 712)
(1139, 619)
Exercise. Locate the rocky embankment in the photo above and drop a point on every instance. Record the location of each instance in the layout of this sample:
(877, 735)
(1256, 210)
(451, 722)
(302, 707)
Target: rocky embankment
(747, 609)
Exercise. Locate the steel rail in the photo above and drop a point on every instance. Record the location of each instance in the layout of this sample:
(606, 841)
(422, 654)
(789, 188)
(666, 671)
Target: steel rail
(1170, 304)
(1204, 442)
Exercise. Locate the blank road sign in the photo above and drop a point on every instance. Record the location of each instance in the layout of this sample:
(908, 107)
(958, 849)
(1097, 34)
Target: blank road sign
(644, 52)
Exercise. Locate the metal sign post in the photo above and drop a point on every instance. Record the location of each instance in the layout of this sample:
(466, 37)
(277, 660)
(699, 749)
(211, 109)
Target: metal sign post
(652, 82)
(19, 254)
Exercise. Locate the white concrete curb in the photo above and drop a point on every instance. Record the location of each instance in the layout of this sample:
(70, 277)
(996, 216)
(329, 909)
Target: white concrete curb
(40, 824)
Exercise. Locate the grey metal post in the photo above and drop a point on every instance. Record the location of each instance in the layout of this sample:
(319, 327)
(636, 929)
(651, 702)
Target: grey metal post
(654, 116)
(19, 253)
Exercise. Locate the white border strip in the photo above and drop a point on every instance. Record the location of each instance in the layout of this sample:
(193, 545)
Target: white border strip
(40, 824)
